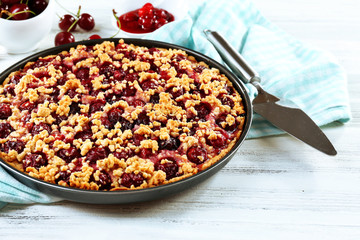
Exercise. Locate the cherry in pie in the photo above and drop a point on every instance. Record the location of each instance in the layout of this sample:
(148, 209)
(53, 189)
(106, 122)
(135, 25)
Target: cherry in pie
(117, 116)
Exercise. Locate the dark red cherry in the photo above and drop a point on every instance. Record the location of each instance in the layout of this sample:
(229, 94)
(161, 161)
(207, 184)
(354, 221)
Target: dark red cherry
(179, 92)
(96, 153)
(143, 118)
(146, 10)
(155, 98)
(146, 23)
(9, 90)
(37, 6)
(107, 69)
(114, 115)
(74, 108)
(18, 146)
(86, 22)
(15, 79)
(5, 110)
(68, 154)
(5, 129)
(124, 154)
(64, 176)
(129, 91)
(84, 135)
(94, 36)
(104, 181)
(35, 160)
(169, 144)
(40, 127)
(197, 155)
(97, 106)
(222, 119)
(160, 13)
(20, 7)
(148, 84)
(145, 153)
(130, 17)
(170, 168)
(27, 106)
(199, 69)
(203, 109)
(82, 73)
(64, 38)
(125, 124)
(226, 100)
(136, 102)
(10, 2)
(219, 142)
(129, 179)
(131, 77)
(160, 22)
(119, 74)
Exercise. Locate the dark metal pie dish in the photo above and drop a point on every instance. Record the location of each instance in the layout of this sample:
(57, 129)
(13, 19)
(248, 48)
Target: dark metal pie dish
(137, 195)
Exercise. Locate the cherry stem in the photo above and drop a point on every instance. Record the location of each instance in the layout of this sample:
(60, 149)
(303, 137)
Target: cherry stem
(64, 8)
(118, 21)
(72, 25)
(78, 12)
(13, 14)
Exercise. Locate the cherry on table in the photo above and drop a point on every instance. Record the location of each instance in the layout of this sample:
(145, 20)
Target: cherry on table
(66, 21)
(94, 36)
(64, 38)
(86, 22)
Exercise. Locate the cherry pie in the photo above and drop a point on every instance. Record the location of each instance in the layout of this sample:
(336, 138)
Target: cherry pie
(117, 116)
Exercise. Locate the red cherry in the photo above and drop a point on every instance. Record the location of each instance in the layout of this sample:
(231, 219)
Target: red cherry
(171, 168)
(20, 7)
(160, 13)
(5, 110)
(160, 22)
(66, 21)
(194, 153)
(86, 22)
(94, 36)
(38, 6)
(5, 129)
(64, 38)
(35, 160)
(146, 10)
(9, 2)
(130, 17)
(128, 179)
(146, 23)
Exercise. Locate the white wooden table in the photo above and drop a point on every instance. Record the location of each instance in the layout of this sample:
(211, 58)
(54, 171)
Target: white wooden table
(275, 188)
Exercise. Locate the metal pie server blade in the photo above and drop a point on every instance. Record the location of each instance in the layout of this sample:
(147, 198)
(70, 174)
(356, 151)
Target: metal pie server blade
(288, 118)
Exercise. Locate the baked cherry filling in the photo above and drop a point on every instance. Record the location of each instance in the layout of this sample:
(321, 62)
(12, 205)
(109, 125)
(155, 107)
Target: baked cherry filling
(117, 116)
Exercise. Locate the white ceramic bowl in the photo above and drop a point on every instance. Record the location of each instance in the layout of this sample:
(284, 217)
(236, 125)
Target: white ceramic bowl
(177, 8)
(23, 36)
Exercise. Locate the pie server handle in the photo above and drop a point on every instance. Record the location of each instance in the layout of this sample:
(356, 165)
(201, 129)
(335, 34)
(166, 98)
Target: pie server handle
(233, 59)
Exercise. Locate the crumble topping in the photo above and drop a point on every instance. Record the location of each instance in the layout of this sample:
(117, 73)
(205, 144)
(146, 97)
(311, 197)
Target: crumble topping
(117, 117)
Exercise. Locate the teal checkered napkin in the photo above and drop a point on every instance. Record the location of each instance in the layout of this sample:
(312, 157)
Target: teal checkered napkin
(309, 77)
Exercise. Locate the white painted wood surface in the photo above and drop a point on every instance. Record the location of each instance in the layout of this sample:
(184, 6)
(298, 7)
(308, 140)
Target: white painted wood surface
(275, 188)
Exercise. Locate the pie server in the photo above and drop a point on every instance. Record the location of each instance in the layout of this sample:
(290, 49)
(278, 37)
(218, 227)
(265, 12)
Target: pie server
(283, 115)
